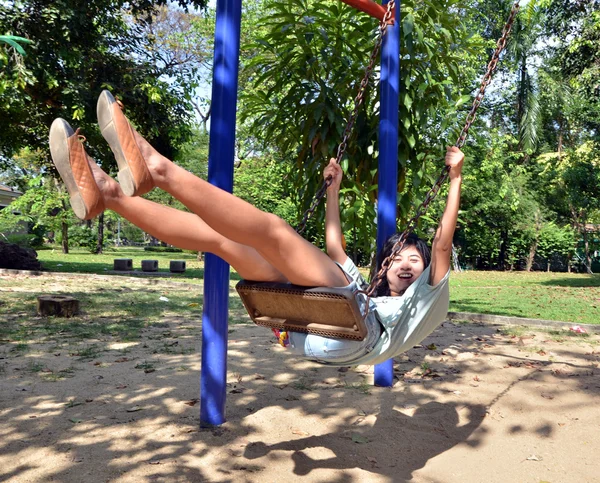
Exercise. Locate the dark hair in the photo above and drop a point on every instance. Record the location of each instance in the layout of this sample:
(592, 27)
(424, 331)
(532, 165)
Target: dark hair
(412, 240)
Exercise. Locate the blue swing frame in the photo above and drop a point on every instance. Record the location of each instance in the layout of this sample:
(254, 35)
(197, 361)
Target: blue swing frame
(215, 313)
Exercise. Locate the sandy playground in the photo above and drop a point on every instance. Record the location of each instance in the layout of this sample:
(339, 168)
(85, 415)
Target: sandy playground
(473, 403)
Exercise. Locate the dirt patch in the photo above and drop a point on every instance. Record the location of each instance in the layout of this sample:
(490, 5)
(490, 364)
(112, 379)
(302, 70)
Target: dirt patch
(114, 397)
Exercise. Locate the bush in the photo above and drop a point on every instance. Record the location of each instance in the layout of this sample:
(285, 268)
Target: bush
(163, 249)
(24, 241)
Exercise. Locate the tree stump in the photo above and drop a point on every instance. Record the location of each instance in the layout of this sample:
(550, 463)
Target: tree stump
(149, 265)
(177, 266)
(58, 305)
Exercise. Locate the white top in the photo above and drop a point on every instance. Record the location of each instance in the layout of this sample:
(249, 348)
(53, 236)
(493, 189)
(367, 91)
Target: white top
(406, 320)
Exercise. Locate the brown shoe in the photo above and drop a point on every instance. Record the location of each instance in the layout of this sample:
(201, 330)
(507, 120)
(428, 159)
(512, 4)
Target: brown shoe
(71, 161)
(134, 177)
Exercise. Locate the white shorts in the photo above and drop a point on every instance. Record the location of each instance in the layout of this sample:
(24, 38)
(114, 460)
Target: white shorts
(337, 351)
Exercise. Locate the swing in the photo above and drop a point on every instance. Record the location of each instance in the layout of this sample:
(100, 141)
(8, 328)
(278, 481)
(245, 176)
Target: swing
(336, 311)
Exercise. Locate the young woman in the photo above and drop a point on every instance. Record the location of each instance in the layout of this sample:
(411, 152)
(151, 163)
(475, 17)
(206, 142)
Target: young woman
(258, 245)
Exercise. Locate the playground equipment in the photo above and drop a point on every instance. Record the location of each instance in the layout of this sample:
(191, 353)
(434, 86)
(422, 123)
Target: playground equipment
(222, 140)
(220, 173)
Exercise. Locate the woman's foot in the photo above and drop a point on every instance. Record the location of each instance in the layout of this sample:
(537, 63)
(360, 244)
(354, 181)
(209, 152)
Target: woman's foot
(71, 161)
(134, 176)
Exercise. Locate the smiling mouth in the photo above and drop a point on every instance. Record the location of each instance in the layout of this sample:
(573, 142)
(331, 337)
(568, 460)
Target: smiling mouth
(405, 276)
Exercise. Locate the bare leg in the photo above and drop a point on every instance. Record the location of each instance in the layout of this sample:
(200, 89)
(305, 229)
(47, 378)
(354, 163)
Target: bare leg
(298, 260)
(184, 230)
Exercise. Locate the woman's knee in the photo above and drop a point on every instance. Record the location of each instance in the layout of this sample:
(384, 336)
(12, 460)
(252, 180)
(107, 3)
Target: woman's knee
(278, 230)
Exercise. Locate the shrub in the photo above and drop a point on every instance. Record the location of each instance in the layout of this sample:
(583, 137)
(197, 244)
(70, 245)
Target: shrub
(163, 249)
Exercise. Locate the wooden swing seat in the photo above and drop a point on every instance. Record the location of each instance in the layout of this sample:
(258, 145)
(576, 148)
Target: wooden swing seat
(325, 311)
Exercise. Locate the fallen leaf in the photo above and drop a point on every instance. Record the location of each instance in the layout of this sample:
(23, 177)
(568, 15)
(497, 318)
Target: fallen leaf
(193, 304)
(432, 347)
(357, 438)
(547, 396)
(191, 402)
(299, 432)
(154, 462)
(534, 458)
(76, 421)
(121, 386)
(134, 409)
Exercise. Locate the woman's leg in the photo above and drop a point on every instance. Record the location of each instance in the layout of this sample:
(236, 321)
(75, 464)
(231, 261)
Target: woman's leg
(184, 230)
(298, 260)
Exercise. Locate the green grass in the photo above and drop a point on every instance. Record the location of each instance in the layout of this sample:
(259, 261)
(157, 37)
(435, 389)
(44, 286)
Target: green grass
(121, 309)
(79, 260)
(539, 295)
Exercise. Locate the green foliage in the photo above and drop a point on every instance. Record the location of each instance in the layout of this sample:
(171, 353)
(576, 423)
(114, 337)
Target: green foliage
(84, 236)
(556, 240)
(163, 249)
(261, 182)
(75, 52)
(305, 74)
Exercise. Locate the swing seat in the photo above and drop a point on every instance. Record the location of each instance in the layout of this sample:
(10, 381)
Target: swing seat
(325, 311)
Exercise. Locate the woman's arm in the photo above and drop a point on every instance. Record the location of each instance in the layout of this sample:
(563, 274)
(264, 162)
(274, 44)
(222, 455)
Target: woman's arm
(333, 227)
(442, 243)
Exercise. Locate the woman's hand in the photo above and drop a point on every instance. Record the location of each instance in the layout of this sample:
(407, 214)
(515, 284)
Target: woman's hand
(335, 171)
(454, 159)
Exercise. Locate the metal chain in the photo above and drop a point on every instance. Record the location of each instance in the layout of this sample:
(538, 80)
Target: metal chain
(431, 194)
(357, 103)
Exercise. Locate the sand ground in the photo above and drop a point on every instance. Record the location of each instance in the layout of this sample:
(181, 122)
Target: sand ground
(473, 403)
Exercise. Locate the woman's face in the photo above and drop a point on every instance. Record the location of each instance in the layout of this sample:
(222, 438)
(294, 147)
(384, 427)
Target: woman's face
(404, 270)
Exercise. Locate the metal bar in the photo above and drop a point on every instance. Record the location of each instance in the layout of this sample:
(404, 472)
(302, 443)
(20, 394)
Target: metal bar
(367, 6)
(220, 173)
(387, 199)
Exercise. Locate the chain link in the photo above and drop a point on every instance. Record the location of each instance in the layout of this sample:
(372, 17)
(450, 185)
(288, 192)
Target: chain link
(357, 103)
(431, 194)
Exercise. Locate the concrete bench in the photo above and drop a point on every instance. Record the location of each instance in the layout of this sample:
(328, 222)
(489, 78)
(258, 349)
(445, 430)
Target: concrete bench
(123, 264)
(177, 266)
(149, 265)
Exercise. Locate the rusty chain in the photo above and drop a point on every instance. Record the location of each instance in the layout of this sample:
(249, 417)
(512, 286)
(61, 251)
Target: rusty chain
(357, 103)
(431, 194)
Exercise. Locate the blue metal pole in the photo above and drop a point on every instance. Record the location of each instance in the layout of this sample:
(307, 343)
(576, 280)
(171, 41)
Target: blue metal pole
(388, 156)
(220, 173)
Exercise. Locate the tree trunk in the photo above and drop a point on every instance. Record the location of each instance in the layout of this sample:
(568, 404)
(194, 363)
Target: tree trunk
(65, 237)
(455, 261)
(586, 249)
(531, 256)
(100, 243)
(548, 265)
(521, 98)
(503, 247)
(534, 243)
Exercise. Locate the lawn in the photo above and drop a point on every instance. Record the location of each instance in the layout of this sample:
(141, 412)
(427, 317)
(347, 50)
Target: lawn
(539, 295)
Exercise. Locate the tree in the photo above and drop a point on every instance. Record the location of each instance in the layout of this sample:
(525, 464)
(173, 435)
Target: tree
(573, 191)
(77, 49)
(304, 77)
